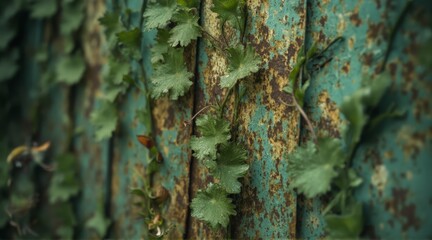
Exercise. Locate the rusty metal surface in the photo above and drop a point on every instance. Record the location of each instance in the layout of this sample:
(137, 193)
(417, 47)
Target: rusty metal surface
(266, 208)
(129, 155)
(394, 165)
(269, 129)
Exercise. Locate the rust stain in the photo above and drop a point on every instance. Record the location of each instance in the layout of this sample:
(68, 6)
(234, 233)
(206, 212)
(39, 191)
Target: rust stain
(330, 118)
(404, 212)
(355, 18)
(411, 142)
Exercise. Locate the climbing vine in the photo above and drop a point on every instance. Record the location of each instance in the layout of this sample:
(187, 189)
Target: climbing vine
(37, 184)
(323, 165)
(216, 147)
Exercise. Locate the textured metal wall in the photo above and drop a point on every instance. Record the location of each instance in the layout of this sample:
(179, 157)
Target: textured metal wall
(395, 165)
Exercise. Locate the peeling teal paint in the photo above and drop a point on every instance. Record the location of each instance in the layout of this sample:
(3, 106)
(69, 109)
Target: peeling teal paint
(395, 210)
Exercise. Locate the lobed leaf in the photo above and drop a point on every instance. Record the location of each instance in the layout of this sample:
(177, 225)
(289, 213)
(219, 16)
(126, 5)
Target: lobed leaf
(187, 29)
(313, 167)
(213, 206)
(105, 120)
(214, 132)
(230, 166)
(70, 69)
(158, 15)
(243, 62)
(172, 77)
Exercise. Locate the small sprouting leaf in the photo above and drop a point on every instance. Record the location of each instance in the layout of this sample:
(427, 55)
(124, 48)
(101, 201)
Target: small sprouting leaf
(347, 225)
(230, 166)
(104, 119)
(159, 14)
(187, 29)
(227, 9)
(43, 8)
(312, 167)
(214, 131)
(243, 62)
(171, 77)
(213, 206)
(70, 69)
(98, 223)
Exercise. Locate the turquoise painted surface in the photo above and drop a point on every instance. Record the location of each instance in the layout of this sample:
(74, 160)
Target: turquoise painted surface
(130, 156)
(267, 208)
(393, 167)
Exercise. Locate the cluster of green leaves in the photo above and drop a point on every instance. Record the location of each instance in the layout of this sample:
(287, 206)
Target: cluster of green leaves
(215, 148)
(61, 61)
(177, 26)
(226, 161)
(60, 57)
(325, 166)
(9, 56)
(123, 46)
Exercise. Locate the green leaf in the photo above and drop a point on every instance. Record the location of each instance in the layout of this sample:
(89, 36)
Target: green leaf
(130, 41)
(104, 119)
(8, 65)
(98, 223)
(72, 17)
(161, 47)
(70, 69)
(214, 131)
(187, 29)
(111, 22)
(346, 226)
(116, 70)
(357, 106)
(230, 166)
(64, 183)
(312, 167)
(172, 77)
(243, 62)
(43, 8)
(158, 15)
(227, 9)
(213, 206)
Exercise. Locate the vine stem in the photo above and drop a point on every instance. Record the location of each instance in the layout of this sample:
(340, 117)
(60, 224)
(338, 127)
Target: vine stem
(188, 122)
(221, 45)
(222, 107)
(393, 34)
(304, 115)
